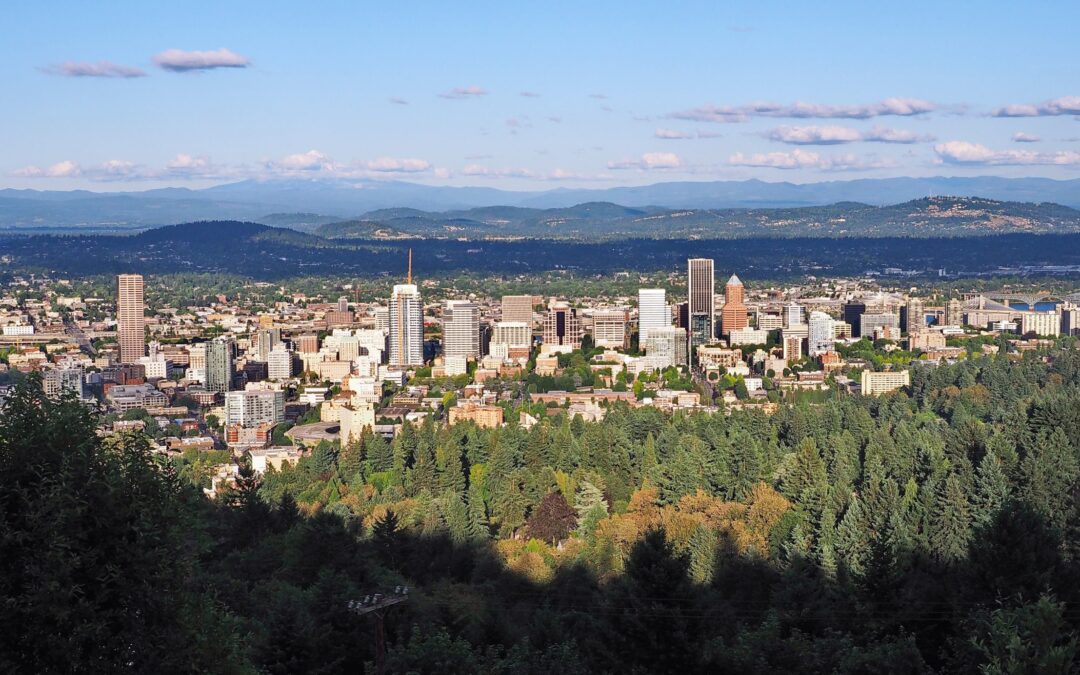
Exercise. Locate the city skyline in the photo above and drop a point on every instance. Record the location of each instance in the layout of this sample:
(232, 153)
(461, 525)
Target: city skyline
(204, 95)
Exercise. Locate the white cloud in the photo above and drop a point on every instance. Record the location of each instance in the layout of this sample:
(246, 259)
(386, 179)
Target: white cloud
(896, 106)
(312, 160)
(478, 170)
(836, 135)
(673, 134)
(396, 165)
(97, 69)
(805, 159)
(814, 135)
(1065, 105)
(180, 61)
(64, 169)
(963, 152)
(649, 161)
(1021, 137)
(472, 91)
(529, 94)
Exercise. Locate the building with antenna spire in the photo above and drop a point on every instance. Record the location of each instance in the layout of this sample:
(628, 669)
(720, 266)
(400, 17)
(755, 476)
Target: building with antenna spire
(406, 323)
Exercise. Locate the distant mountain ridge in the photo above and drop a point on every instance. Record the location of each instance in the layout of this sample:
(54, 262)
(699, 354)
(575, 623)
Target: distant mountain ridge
(927, 217)
(326, 200)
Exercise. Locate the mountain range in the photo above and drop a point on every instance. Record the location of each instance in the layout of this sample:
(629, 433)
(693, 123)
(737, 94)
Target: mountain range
(314, 202)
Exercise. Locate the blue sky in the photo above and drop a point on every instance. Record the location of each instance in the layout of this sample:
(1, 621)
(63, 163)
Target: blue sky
(127, 96)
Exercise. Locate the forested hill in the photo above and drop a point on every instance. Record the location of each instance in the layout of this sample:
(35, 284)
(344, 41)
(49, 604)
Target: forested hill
(929, 217)
(936, 529)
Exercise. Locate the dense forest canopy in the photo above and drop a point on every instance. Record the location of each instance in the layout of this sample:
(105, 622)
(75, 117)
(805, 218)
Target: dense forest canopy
(932, 530)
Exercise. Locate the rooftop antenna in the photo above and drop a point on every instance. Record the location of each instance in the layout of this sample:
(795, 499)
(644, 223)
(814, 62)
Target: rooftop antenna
(409, 278)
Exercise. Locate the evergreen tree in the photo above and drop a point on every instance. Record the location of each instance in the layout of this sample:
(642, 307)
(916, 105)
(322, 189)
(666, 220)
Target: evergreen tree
(951, 522)
(702, 548)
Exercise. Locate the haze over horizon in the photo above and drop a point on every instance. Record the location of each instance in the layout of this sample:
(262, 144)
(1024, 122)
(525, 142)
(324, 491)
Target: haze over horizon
(505, 97)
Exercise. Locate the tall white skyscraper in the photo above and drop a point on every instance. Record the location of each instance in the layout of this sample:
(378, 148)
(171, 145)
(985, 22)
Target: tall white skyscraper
(821, 333)
(461, 329)
(130, 324)
(793, 314)
(406, 324)
(653, 311)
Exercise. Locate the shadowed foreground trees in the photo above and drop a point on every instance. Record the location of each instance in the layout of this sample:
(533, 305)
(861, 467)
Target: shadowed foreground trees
(931, 533)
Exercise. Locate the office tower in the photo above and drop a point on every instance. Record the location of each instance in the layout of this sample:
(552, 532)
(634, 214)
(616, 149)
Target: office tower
(913, 316)
(653, 311)
(197, 362)
(562, 326)
(870, 323)
(733, 316)
(67, 378)
(1043, 324)
(406, 324)
(517, 308)
(793, 315)
(954, 313)
(279, 363)
(769, 321)
(343, 304)
(792, 348)
(373, 341)
(665, 346)
(682, 315)
(219, 365)
(609, 328)
(307, 344)
(701, 292)
(252, 408)
(130, 323)
(852, 314)
(513, 333)
(382, 319)
(821, 333)
(265, 340)
(1070, 319)
(344, 343)
(461, 329)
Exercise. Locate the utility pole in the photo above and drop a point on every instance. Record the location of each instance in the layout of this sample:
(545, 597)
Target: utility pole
(376, 605)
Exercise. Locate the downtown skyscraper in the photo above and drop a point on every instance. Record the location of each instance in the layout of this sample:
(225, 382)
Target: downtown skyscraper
(701, 296)
(130, 323)
(406, 324)
(653, 311)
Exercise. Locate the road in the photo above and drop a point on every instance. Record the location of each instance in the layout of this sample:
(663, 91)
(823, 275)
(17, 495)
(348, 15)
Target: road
(72, 329)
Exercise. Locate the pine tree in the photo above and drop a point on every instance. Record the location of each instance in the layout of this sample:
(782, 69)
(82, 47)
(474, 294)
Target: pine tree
(951, 522)
(991, 489)
(852, 537)
(587, 503)
(479, 521)
(702, 549)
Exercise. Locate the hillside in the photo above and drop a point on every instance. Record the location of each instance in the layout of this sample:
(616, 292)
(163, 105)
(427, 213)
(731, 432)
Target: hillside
(928, 217)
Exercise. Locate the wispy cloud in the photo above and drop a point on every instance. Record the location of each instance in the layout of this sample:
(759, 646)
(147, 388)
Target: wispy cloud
(649, 161)
(1021, 137)
(902, 107)
(963, 152)
(472, 91)
(1066, 105)
(312, 163)
(398, 165)
(397, 100)
(64, 169)
(837, 135)
(480, 171)
(673, 134)
(598, 96)
(96, 69)
(804, 159)
(181, 61)
(529, 94)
